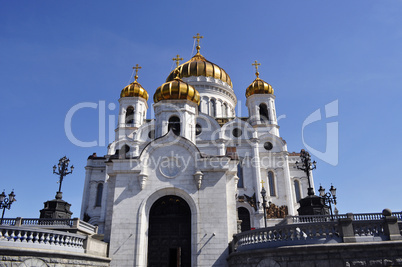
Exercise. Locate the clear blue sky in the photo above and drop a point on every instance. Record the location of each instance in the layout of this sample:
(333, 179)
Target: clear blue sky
(56, 54)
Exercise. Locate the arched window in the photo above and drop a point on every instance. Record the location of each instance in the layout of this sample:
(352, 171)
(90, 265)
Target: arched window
(264, 118)
(174, 125)
(244, 216)
(240, 183)
(99, 191)
(297, 190)
(212, 104)
(123, 151)
(271, 182)
(130, 115)
(225, 110)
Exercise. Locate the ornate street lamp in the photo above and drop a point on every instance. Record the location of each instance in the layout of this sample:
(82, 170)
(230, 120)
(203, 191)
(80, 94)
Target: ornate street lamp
(62, 170)
(264, 203)
(5, 202)
(329, 197)
(306, 165)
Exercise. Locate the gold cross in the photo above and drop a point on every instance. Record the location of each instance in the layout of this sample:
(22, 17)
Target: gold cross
(256, 64)
(177, 59)
(198, 37)
(136, 68)
(262, 182)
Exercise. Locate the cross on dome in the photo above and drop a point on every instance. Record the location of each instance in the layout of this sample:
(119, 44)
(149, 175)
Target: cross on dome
(136, 68)
(262, 182)
(177, 59)
(256, 64)
(198, 37)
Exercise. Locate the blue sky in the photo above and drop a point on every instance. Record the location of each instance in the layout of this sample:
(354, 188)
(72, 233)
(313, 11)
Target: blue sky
(57, 54)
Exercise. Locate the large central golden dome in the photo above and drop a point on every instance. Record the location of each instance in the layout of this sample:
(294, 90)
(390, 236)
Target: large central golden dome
(199, 66)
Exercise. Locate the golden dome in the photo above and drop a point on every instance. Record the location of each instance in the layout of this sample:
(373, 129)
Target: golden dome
(199, 66)
(176, 89)
(134, 89)
(259, 86)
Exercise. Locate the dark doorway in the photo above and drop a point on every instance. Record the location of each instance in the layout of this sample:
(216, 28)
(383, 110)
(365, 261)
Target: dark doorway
(244, 216)
(169, 234)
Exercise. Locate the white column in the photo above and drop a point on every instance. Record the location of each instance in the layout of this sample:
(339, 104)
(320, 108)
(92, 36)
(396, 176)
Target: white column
(218, 104)
(256, 169)
(289, 186)
(122, 115)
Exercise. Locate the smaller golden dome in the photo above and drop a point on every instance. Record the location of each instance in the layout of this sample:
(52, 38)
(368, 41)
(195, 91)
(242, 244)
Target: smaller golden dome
(134, 89)
(259, 86)
(176, 89)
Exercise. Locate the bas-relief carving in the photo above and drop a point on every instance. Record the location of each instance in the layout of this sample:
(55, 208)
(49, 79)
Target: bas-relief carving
(274, 211)
(171, 167)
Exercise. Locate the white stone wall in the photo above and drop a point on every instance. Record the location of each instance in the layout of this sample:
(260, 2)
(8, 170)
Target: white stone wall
(95, 174)
(212, 206)
(253, 102)
(214, 89)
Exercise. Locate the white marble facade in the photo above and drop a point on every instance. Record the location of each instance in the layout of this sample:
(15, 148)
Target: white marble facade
(200, 165)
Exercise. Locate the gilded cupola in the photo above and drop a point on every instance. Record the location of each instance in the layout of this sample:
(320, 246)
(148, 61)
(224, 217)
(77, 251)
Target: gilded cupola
(134, 89)
(175, 90)
(258, 86)
(199, 66)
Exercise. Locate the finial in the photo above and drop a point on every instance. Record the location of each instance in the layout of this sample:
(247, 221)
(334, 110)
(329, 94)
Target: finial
(177, 74)
(256, 64)
(177, 59)
(262, 182)
(136, 68)
(198, 37)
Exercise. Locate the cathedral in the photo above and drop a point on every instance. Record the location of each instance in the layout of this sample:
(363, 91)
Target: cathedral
(174, 189)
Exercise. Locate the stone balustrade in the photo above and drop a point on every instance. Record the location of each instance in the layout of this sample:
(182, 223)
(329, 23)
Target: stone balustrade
(322, 229)
(55, 224)
(24, 237)
(34, 241)
(326, 218)
(286, 235)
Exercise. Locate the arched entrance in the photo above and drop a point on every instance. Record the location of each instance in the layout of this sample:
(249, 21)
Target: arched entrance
(169, 234)
(244, 216)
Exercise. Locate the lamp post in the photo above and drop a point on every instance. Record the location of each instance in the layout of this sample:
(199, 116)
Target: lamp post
(329, 197)
(306, 165)
(5, 202)
(264, 203)
(62, 170)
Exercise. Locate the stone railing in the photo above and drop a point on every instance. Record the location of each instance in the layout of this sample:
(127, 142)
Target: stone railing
(37, 238)
(55, 224)
(285, 235)
(327, 218)
(301, 230)
(13, 236)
